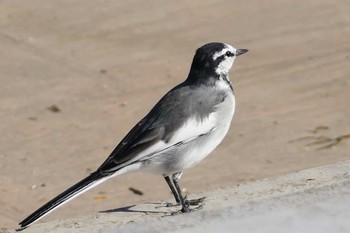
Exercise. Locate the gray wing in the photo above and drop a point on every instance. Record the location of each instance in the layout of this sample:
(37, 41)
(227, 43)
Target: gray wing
(141, 136)
(160, 124)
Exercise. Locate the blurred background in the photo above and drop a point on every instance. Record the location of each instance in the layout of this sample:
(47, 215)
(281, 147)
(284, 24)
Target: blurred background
(75, 76)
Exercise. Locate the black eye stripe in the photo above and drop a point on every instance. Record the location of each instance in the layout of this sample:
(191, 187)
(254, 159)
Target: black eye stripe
(221, 58)
(229, 54)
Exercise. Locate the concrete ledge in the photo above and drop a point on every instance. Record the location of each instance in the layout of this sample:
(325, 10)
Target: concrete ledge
(312, 200)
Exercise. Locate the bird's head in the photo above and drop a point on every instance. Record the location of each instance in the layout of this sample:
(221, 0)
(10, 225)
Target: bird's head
(215, 58)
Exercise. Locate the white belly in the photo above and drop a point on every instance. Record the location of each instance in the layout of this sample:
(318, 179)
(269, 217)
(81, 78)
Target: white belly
(189, 154)
(203, 146)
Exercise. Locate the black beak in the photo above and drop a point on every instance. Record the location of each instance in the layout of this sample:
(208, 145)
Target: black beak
(241, 51)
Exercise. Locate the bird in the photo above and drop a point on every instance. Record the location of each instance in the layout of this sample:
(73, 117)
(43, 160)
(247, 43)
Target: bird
(183, 128)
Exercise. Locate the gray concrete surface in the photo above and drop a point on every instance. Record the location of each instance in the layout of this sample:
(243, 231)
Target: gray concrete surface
(312, 200)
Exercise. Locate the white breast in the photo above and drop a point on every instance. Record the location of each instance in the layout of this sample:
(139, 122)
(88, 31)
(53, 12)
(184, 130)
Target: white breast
(203, 147)
(196, 139)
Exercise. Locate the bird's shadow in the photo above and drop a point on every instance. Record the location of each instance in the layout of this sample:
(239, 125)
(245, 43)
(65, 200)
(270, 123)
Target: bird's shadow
(129, 209)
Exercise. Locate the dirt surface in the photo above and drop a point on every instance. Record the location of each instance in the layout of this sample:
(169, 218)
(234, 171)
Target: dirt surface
(310, 200)
(77, 75)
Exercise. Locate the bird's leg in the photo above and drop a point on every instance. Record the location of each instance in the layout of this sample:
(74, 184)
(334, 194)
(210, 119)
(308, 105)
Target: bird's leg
(173, 190)
(176, 195)
(183, 201)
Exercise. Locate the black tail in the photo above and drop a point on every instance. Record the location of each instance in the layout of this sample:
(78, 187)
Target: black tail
(77, 189)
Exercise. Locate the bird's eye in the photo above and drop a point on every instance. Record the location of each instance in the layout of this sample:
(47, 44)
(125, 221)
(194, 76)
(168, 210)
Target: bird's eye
(229, 54)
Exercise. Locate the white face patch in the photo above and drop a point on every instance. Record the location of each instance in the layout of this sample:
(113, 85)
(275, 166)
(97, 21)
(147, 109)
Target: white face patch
(226, 64)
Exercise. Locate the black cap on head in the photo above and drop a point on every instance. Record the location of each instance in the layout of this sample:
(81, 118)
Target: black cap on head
(203, 59)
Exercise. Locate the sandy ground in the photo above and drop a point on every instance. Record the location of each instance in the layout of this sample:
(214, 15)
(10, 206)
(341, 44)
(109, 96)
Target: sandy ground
(105, 63)
(311, 200)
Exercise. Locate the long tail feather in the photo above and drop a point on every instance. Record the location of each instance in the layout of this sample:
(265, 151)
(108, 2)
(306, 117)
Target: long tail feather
(74, 191)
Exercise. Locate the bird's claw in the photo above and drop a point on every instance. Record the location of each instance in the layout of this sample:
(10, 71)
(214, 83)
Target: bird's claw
(194, 201)
(187, 209)
(187, 202)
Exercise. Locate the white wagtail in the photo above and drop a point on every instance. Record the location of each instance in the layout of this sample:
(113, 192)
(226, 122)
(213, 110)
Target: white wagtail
(185, 126)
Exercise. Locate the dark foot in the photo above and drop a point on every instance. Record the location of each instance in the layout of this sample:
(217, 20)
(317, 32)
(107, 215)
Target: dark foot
(187, 202)
(194, 201)
(187, 210)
